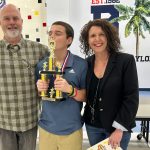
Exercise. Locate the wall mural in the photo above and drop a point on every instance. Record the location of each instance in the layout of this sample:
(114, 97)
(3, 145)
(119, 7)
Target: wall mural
(2, 3)
(137, 19)
(34, 18)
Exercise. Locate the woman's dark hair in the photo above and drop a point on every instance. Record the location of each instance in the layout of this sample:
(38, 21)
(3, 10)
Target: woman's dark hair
(68, 28)
(111, 32)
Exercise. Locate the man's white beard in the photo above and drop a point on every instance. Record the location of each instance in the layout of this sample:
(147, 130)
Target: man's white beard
(12, 34)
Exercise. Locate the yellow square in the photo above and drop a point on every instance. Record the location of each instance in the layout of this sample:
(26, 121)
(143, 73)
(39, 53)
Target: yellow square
(36, 13)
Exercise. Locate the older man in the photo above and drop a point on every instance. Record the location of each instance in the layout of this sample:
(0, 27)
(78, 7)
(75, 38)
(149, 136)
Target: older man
(18, 97)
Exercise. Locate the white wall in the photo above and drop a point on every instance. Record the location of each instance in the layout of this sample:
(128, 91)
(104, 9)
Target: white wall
(57, 10)
(78, 17)
(68, 11)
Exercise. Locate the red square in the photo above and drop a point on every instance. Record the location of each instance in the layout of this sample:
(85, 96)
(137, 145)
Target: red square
(44, 24)
(29, 17)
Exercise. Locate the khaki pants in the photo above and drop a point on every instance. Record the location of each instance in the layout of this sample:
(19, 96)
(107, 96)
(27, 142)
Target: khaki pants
(49, 141)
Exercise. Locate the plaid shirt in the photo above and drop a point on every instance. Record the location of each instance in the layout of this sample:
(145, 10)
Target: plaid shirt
(19, 100)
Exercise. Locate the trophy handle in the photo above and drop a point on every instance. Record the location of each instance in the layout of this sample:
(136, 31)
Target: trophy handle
(43, 78)
(58, 92)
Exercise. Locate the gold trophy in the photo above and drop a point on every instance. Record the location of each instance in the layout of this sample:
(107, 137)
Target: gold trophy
(44, 78)
(53, 69)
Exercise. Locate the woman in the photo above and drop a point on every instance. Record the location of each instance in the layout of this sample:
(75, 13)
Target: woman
(112, 85)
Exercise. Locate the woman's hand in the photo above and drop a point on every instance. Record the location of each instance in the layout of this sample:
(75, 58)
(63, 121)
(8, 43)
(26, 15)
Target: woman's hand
(42, 85)
(115, 138)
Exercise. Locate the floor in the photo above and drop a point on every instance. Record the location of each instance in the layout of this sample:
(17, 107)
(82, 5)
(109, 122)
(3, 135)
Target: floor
(136, 144)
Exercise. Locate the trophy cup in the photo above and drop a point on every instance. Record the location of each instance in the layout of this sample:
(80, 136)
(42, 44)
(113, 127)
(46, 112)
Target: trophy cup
(53, 70)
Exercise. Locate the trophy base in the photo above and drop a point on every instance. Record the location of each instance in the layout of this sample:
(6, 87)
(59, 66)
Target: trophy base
(53, 99)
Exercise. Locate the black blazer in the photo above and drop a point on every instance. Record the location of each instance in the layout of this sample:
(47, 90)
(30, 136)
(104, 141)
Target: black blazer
(118, 91)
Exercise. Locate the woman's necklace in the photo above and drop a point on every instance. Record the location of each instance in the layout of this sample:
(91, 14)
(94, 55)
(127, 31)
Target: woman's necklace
(92, 107)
